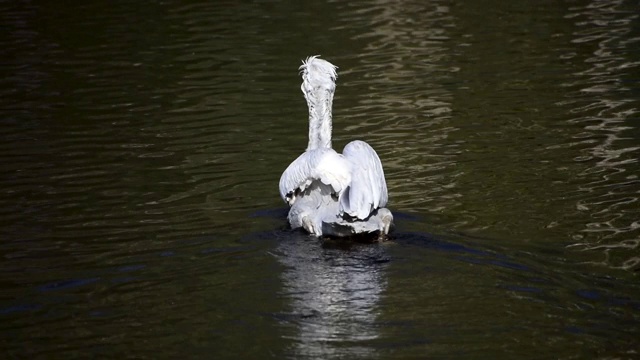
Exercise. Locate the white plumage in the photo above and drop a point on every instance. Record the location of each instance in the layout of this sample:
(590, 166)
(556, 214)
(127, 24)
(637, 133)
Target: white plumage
(330, 193)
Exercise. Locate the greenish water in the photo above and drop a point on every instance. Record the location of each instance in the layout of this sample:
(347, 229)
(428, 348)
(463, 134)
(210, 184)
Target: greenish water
(142, 144)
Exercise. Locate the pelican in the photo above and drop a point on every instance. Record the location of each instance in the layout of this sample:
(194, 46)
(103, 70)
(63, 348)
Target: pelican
(329, 193)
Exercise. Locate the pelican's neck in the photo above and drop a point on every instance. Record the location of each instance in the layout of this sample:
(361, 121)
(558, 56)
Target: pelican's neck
(318, 85)
(319, 102)
(314, 125)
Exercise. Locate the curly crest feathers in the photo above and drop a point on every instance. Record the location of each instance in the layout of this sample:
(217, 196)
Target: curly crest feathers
(318, 73)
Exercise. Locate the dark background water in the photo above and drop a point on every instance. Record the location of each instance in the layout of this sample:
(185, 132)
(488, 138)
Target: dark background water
(142, 143)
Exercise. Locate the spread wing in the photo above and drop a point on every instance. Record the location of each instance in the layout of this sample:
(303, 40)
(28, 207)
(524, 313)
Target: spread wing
(321, 164)
(368, 188)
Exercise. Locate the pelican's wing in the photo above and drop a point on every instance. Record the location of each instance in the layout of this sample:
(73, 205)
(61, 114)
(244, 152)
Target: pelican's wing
(323, 164)
(368, 189)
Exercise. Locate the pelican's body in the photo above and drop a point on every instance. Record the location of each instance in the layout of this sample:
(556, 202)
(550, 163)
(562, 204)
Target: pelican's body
(330, 193)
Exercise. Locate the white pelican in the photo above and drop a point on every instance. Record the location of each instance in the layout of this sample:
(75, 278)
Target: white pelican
(330, 193)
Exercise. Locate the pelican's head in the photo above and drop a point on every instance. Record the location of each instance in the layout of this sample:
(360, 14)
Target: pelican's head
(318, 73)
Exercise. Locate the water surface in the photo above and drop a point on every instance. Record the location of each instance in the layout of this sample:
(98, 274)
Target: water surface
(143, 142)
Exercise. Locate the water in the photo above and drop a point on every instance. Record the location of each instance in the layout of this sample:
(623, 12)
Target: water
(142, 144)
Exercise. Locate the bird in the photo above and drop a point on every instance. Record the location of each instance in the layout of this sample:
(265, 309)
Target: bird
(332, 194)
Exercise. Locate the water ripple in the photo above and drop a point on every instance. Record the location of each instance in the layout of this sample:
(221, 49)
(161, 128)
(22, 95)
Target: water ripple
(605, 106)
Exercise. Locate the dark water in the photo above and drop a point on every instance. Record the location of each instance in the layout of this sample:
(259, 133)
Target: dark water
(142, 143)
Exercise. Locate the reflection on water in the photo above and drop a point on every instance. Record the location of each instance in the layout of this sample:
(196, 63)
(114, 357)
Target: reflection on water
(605, 104)
(334, 288)
(396, 94)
